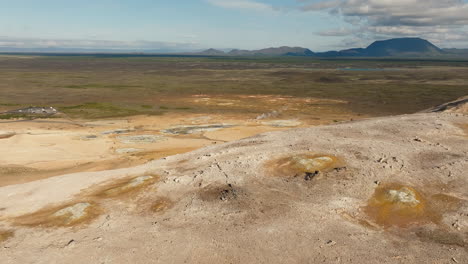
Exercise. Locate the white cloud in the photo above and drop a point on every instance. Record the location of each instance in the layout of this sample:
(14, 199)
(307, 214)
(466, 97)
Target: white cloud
(91, 44)
(241, 4)
(441, 21)
(338, 32)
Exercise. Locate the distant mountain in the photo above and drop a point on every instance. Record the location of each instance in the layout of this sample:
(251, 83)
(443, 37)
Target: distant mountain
(213, 52)
(402, 47)
(456, 52)
(342, 53)
(281, 51)
(399, 47)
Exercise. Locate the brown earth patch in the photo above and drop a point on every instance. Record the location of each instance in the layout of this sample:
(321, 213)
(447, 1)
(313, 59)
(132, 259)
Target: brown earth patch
(68, 215)
(465, 129)
(16, 174)
(7, 135)
(5, 235)
(161, 204)
(122, 188)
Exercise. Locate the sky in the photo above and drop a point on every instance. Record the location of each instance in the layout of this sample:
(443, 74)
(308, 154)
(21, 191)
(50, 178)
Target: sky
(184, 25)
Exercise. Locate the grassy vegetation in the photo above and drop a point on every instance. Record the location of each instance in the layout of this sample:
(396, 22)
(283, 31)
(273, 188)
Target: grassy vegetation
(14, 116)
(105, 110)
(97, 87)
(89, 86)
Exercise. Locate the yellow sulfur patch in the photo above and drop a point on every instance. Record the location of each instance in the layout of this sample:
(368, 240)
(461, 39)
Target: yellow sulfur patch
(399, 205)
(300, 164)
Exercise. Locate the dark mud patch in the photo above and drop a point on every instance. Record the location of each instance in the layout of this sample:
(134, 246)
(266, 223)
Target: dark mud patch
(68, 215)
(399, 205)
(5, 235)
(441, 236)
(221, 193)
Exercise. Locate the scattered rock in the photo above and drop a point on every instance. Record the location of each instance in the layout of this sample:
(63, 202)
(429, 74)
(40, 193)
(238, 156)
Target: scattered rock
(220, 193)
(340, 169)
(186, 130)
(117, 131)
(141, 139)
(310, 175)
(268, 115)
(228, 193)
(35, 111)
(127, 150)
(88, 137)
(458, 106)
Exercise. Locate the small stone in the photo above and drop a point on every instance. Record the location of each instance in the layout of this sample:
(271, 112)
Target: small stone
(310, 175)
(340, 169)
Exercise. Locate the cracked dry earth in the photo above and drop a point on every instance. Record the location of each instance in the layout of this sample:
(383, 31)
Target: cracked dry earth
(385, 190)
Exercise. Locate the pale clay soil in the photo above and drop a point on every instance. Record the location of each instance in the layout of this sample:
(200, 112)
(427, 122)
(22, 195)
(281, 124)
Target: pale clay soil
(44, 148)
(382, 190)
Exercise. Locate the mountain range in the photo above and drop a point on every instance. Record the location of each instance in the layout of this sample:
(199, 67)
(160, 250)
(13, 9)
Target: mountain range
(398, 47)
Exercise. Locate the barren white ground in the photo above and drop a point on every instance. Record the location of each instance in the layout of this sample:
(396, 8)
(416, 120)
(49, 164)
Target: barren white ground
(227, 207)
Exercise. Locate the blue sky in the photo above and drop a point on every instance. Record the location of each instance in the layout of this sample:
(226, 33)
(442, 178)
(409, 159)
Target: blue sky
(247, 24)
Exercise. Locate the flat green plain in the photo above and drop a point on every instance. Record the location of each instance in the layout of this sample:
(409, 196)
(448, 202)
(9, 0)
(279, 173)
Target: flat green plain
(109, 86)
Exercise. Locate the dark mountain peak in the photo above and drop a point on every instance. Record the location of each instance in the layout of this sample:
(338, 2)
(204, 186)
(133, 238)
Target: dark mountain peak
(238, 52)
(213, 52)
(397, 47)
(278, 51)
(402, 46)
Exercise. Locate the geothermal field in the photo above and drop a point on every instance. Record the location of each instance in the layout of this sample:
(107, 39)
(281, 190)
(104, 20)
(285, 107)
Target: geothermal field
(121, 159)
